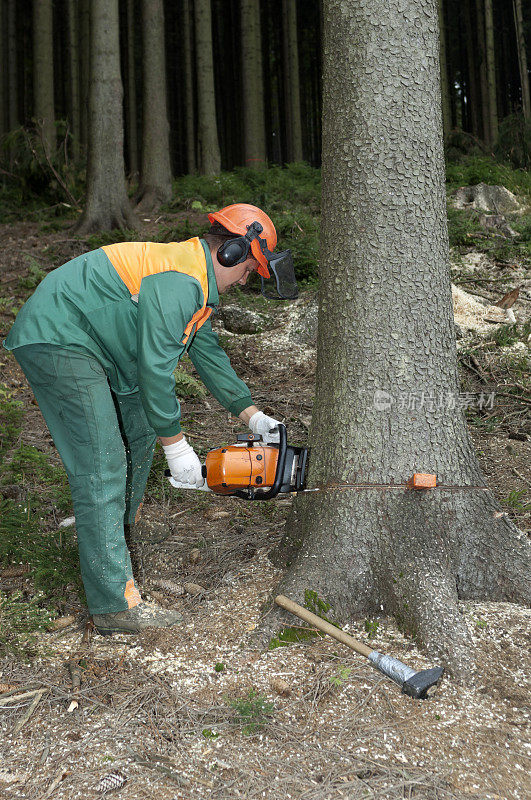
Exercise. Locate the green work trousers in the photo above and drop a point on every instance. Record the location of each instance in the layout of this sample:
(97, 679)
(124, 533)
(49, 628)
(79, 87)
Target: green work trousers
(106, 445)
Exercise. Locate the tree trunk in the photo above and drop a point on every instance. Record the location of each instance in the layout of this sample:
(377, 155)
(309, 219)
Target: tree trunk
(482, 66)
(43, 97)
(491, 73)
(12, 87)
(107, 205)
(386, 384)
(155, 177)
(522, 59)
(188, 89)
(253, 88)
(445, 88)
(291, 80)
(84, 68)
(73, 74)
(472, 88)
(209, 158)
(132, 135)
(3, 73)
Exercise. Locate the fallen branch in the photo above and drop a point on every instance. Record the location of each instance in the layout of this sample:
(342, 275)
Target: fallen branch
(15, 698)
(34, 703)
(75, 674)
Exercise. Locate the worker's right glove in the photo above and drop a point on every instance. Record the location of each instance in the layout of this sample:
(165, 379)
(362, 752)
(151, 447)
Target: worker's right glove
(266, 426)
(183, 463)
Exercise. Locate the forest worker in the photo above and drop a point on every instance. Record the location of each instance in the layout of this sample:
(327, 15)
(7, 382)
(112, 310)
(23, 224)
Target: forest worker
(99, 341)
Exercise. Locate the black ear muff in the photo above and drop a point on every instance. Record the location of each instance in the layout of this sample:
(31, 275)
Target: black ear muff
(235, 251)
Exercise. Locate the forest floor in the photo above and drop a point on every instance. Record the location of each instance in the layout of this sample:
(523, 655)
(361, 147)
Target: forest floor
(197, 712)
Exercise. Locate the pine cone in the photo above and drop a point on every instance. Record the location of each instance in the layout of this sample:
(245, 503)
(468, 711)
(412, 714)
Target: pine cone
(112, 782)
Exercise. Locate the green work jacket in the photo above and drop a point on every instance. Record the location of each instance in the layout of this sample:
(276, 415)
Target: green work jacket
(85, 306)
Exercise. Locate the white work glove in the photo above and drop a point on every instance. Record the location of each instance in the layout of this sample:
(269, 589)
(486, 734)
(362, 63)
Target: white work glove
(184, 464)
(266, 426)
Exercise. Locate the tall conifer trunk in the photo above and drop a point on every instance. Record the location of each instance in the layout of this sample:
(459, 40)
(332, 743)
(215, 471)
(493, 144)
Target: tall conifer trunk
(132, 135)
(482, 67)
(155, 176)
(491, 73)
(12, 83)
(84, 68)
(73, 74)
(107, 205)
(386, 387)
(189, 106)
(291, 80)
(522, 59)
(43, 96)
(253, 88)
(209, 159)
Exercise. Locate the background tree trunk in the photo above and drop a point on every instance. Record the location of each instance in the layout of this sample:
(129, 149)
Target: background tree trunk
(73, 74)
(253, 88)
(445, 88)
(491, 73)
(522, 59)
(84, 68)
(155, 177)
(132, 134)
(13, 117)
(482, 67)
(472, 88)
(386, 364)
(107, 204)
(43, 96)
(189, 89)
(209, 156)
(291, 80)
(3, 72)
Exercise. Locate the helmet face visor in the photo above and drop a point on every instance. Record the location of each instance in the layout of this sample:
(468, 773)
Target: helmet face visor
(282, 282)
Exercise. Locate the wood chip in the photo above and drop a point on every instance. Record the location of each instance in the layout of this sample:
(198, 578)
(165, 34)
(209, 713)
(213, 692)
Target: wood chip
(280, 686)
(61, 622)
(195, 555)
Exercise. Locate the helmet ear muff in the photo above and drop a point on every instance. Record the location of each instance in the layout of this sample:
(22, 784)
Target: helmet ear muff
(233, 251)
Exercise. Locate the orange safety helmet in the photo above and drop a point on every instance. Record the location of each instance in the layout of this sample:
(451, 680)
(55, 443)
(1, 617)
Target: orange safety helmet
(237, 218)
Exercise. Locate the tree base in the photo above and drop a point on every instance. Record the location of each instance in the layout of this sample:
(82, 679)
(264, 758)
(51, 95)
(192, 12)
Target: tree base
(411, 554)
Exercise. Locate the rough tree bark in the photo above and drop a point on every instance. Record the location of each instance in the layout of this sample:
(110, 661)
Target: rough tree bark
(491, 73)
(291, 80)
(386, 379)
(132, 135)
(155, 175)
(253, 88)
(43, 98)
(73, 74)
(209, 159)
(107, 205)
(188, 89)
(522, 59)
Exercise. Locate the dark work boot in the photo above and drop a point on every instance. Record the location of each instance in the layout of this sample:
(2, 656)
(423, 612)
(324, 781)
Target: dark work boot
(136, 619)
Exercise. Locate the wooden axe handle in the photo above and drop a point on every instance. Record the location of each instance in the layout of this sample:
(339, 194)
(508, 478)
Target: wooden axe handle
(323, 625)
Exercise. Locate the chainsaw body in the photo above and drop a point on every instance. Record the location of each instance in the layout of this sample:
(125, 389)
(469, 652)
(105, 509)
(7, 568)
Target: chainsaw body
(253, 470)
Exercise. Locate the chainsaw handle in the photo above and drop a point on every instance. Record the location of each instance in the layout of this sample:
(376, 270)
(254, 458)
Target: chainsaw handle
(281, 463)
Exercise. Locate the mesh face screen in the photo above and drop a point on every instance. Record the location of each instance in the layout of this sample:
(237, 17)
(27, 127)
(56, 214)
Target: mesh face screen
(282, 283)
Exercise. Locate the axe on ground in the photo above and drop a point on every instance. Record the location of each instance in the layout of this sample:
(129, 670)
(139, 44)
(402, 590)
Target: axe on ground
(413, 683)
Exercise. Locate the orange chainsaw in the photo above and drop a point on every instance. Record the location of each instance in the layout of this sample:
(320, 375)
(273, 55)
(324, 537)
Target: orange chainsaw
(252, 470)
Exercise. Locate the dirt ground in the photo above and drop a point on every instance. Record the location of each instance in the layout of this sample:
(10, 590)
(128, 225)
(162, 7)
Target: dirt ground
(198, 712)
